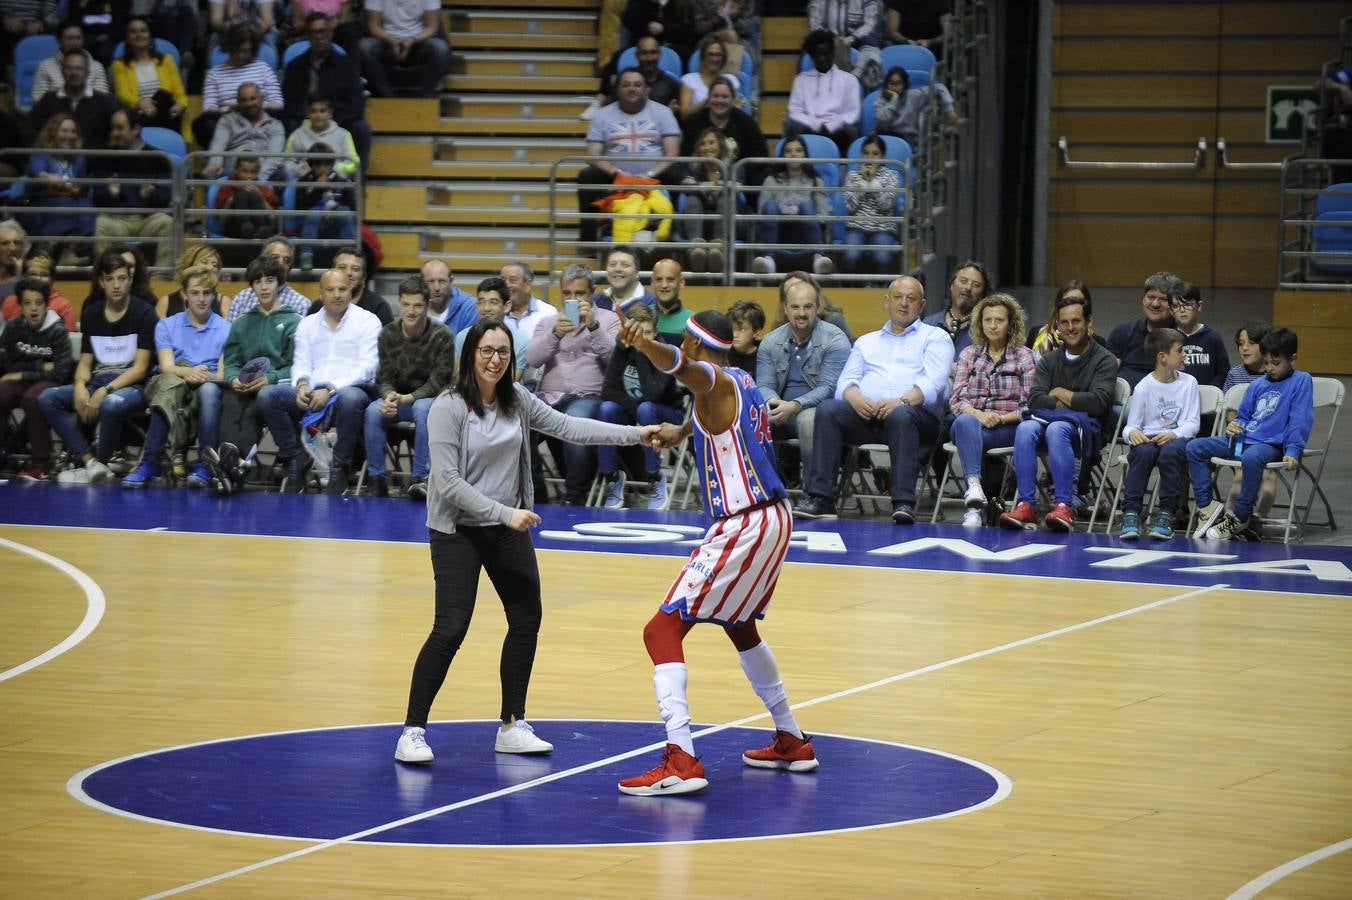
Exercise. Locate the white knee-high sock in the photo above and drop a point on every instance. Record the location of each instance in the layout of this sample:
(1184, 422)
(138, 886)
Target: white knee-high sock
(669, 682)
(763, 672)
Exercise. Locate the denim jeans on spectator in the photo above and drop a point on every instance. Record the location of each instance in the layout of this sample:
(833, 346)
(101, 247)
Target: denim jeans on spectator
(432, 55)
(799, 228)
(283, 416)
(1172, 462)
(208, 424)
(1061, 440)
(973, 440)
(879, 262)
(1255, 458)
(58, 407)
(376, 424)
(837, 425)
(649, 413)
(578, 460)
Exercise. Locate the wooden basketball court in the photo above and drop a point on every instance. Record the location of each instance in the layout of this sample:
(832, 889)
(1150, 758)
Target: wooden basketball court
(1159, 739)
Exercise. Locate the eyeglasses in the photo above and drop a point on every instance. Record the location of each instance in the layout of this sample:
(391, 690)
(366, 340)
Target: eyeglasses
(1182, 304)
(502, 353)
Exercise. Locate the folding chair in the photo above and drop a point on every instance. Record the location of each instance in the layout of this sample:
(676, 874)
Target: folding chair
(1121, 399)
(1328, 396)
(398, 447)
(954, 467)
(853, 486)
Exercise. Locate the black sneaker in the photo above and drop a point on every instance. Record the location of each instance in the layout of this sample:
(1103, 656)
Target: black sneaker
(811, 507)
(297, 474)
(418, 490)
(337, 485)
(903, 513)
(377, 486)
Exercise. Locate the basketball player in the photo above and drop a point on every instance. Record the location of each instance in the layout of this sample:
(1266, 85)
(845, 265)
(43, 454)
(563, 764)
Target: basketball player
(731, 576)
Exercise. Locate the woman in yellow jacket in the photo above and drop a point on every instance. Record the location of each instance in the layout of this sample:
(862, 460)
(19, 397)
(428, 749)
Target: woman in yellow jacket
(148, 80)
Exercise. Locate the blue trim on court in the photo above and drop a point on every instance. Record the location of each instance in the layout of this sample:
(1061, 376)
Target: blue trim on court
(330, 783)
(1273, 567)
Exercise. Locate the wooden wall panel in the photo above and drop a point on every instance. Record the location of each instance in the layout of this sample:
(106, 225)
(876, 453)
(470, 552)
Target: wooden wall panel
(1323, 320)
(1138, 91)
(1245, 251)
(1162, 19)
(1145, 55)
(1285, 54)
(1282, 17)
(1109, 250)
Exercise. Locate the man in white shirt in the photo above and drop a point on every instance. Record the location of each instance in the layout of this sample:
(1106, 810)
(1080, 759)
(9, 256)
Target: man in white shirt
(407, 34)
(891, 392)
(332, 380)
(524, 308)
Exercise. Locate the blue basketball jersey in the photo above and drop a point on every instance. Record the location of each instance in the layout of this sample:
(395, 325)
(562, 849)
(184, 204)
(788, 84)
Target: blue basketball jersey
(737, 468)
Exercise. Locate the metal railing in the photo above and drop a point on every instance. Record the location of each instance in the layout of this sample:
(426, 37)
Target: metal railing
(1198, 160)
(1302, 264)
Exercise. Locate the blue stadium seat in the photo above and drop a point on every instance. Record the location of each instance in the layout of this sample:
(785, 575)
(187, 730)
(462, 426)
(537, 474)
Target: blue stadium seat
(1334, 205)
(166, 140)
(160, 44)
(28, 55)
(296, 49)
(916, 60)
(669, 63)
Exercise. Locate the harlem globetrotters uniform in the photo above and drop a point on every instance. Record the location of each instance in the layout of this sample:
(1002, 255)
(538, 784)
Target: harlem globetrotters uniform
(731, 576)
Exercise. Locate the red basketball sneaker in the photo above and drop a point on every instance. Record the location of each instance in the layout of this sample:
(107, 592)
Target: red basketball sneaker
(787, 752)
(679, 773)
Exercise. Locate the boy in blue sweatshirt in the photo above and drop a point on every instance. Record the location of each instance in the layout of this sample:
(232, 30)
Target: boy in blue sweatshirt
(1273, 423)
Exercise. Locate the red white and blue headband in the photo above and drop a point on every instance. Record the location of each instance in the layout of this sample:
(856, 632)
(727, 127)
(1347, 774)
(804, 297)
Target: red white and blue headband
(706, 337)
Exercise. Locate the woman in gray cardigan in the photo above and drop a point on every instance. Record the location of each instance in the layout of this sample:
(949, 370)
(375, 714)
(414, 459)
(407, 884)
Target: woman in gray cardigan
(479, 514)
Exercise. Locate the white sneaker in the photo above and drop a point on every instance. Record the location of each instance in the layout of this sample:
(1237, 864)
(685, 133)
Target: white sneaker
(763, 265)
(822, 265)
(973, 519)
(98, 472)
(520, 738)
(1208, 516)
(614, 491)
(77, 475)
(975, 498)
(586, 114)
(657, 494)
(412, 747)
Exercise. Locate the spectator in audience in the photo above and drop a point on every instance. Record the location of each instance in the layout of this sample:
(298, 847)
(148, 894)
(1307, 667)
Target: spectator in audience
(254, 17)
(919, 22)
(968, 287)
(176, 22)
(193, 255)
(797, 368)
(872, 201)
(189, 347)
(526, 310)
(321, 70)
(668, 281)
(364, 296)
(891, 391)
(333, 378)
(992, 380)
(1273, 425)
(58, 167)
(630, 132)
(132, 185)
(1047, 338)
(1069, 405)
(1204, 355)
(324, 190)
(1127, 341)
(1163, 415)
(50, 75)
(38, 265)
(280, 249)
(446, 303)
(663, 88)
(898, 106)
(222, 93)
(147, 80)
(741, 132)
(636, 392)
(34, 356)
(343, 24)
(75, 98)
(246, 192)
(734, 22)
(708, 234)
(623, 287)
(115, 355)
(248, 129)
(748, 321)
(140, 272)
(794, 193)
(416, 363)
(828, 310)
(404, 33)
(23, 18)
(695, 86)
(856, 25)
(824, 100)
(1248, 340)
(266, 331)
(670, 21)
(492, 303)
(573, 356)
(13, 242)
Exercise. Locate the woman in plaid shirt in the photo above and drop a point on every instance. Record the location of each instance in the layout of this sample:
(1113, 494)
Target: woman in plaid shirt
(991, 381)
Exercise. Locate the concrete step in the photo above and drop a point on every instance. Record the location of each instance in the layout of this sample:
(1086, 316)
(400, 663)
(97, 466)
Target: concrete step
(541, 22)
(528, 65)
(508, 41)
(482, 158)
(424, 116)
(512, 106)
(408, 247)
(452, 203)
(570, 85)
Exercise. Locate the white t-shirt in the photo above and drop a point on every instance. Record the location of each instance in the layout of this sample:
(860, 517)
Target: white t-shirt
(1157, 407)
(699, 92)
(402, 18)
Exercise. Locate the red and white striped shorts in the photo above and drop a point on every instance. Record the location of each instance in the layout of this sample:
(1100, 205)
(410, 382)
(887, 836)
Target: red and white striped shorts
(731, 576)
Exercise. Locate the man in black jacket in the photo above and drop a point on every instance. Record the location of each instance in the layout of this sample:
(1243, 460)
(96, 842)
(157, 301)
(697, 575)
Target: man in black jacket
(133, 186)
(91, 108)
(323, 69)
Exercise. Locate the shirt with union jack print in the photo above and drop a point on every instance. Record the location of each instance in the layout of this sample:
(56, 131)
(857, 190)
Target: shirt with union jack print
(632, 134)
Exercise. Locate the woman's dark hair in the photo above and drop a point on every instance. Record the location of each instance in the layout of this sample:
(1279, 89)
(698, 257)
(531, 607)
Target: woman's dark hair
(810, 169)
(905, 77)
(236, 36)
(1256, 329)
(873, 140)
(467, 386)
(153, 50)
(140, 279)
(106, 264)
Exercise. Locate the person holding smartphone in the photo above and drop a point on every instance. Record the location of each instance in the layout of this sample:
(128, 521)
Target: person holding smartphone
(572, 349)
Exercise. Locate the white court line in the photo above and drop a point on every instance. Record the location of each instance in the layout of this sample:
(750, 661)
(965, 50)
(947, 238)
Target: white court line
(95, 604)
(1271, 877)
(556, 776)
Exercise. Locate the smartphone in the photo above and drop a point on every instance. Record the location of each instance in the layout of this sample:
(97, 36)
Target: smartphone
(571, 311)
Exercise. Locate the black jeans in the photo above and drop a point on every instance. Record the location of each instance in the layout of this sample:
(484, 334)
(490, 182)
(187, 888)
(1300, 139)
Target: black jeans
(509, 558)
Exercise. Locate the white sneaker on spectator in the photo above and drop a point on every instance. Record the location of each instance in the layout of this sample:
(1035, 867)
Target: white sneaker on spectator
(519, 737)
(973, 519)
(77, 475)
(763, 265)
(822, 265)
(592, 107)
(98, 472)
(1208, 516)
(975, 498)
(614, 490)
(412, 747)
